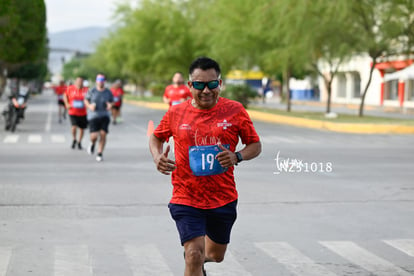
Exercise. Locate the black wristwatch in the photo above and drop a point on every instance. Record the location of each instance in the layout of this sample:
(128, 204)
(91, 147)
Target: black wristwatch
(239, 157)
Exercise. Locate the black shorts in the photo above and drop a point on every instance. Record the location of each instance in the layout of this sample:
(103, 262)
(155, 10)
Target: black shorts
(79, 121)
(215, 223)
(98, 124)
(61, 102)
(116, 107)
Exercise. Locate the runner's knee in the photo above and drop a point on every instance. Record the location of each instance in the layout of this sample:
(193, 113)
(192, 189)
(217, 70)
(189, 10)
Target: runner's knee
(214, 257)
(194, 256)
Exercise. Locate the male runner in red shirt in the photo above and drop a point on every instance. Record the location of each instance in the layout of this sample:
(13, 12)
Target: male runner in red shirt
(206, 131)
(74, 102)
(60, 91)
(177, 92)
(118, 93)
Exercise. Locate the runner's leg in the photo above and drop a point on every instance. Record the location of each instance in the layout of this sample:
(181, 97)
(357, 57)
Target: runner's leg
(74, 132)
(81, 131)
(214, 251)
(94, 137)
(102, 141)
(60, 112)
(194, 256)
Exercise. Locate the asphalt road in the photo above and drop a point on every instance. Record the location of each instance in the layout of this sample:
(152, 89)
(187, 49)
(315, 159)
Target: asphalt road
(313, 203)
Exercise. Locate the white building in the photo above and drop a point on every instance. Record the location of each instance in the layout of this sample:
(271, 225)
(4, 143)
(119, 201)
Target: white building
(349, 83)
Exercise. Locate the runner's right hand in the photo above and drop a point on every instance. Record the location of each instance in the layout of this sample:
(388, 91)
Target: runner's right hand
(163, 163)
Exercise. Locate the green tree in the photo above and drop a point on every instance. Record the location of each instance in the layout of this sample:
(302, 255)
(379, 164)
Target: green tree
(306, 33)
(78, 67)
(385, 28)
(23, 35)
(149, 43)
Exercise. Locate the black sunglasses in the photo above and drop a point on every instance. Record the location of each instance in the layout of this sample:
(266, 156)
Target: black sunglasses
(199, 85)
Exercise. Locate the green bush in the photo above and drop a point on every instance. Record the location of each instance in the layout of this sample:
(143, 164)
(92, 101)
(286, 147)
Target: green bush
(240, 93)
(157, 89)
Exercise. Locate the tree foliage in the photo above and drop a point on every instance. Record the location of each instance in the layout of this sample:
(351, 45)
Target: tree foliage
(150, 42)
(23, 42)
(23, 31)
(156, 38)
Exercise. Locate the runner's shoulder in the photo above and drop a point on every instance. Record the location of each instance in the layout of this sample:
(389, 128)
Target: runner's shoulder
(180, 107)
(231, 103)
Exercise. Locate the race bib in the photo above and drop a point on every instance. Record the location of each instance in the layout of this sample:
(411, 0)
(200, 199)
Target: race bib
(78, 104)
(203, 160)
(175, 102)
(116, 99)
(20, 100)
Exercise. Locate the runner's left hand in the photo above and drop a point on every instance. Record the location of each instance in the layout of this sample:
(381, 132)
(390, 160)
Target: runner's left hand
(226, 158)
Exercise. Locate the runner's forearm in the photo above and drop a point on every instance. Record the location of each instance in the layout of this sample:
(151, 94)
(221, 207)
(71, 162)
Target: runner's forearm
(66, 101)
(156, 146)
(251, 151)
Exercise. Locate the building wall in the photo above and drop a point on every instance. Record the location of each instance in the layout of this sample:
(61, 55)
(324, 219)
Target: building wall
(353, 76)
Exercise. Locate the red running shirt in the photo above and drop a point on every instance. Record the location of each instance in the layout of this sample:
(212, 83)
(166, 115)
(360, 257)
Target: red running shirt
(176, 94)
(189, 126)
(75, 98)
(117, 93)
(59, 91)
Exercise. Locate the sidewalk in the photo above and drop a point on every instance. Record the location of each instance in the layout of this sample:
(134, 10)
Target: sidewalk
(308, 123)
(317, 106)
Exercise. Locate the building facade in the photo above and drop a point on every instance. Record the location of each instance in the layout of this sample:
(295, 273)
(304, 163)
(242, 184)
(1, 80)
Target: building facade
(352, 77)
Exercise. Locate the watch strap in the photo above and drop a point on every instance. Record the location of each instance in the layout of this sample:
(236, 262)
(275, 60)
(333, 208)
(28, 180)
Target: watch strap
(239, 157)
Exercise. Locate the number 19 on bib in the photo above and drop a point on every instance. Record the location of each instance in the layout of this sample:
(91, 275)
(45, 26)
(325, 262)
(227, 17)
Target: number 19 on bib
(203, 160)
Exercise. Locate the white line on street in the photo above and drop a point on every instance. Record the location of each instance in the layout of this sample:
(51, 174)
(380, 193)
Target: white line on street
(146, 261)
(72, 261)
(5, 255)
(404, 245)
(48, 125)
(229, 267)
(363, 258)
(58, 139)
(293, 259)
(11, 139)
(34, 139)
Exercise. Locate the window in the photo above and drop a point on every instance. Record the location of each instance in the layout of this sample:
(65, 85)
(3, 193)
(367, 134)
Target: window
(391, 90)
(341, 89)
(409, 90)
(356, 89)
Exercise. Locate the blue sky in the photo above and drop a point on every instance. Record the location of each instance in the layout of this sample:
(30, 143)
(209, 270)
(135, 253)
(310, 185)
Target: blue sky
(72, 14)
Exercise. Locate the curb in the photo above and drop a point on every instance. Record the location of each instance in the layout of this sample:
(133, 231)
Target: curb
(307, 123)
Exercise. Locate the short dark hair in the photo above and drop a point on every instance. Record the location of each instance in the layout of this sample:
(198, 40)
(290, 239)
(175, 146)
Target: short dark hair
(205, 63)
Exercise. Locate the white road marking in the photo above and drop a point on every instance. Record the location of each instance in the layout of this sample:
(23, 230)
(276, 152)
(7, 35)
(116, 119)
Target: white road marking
(229, 267)
(48, 125)
(58, 139)
(293, 259)
(363, 258)
(72, 261)
(11, 139)
(5, 255)
(34, 139)
(146, 261)
(404, 245)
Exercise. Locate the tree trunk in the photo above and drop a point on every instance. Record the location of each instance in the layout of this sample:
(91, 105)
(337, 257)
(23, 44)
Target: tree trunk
(288, 101)
(3, 81)
(328, 85)
(361, 106)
